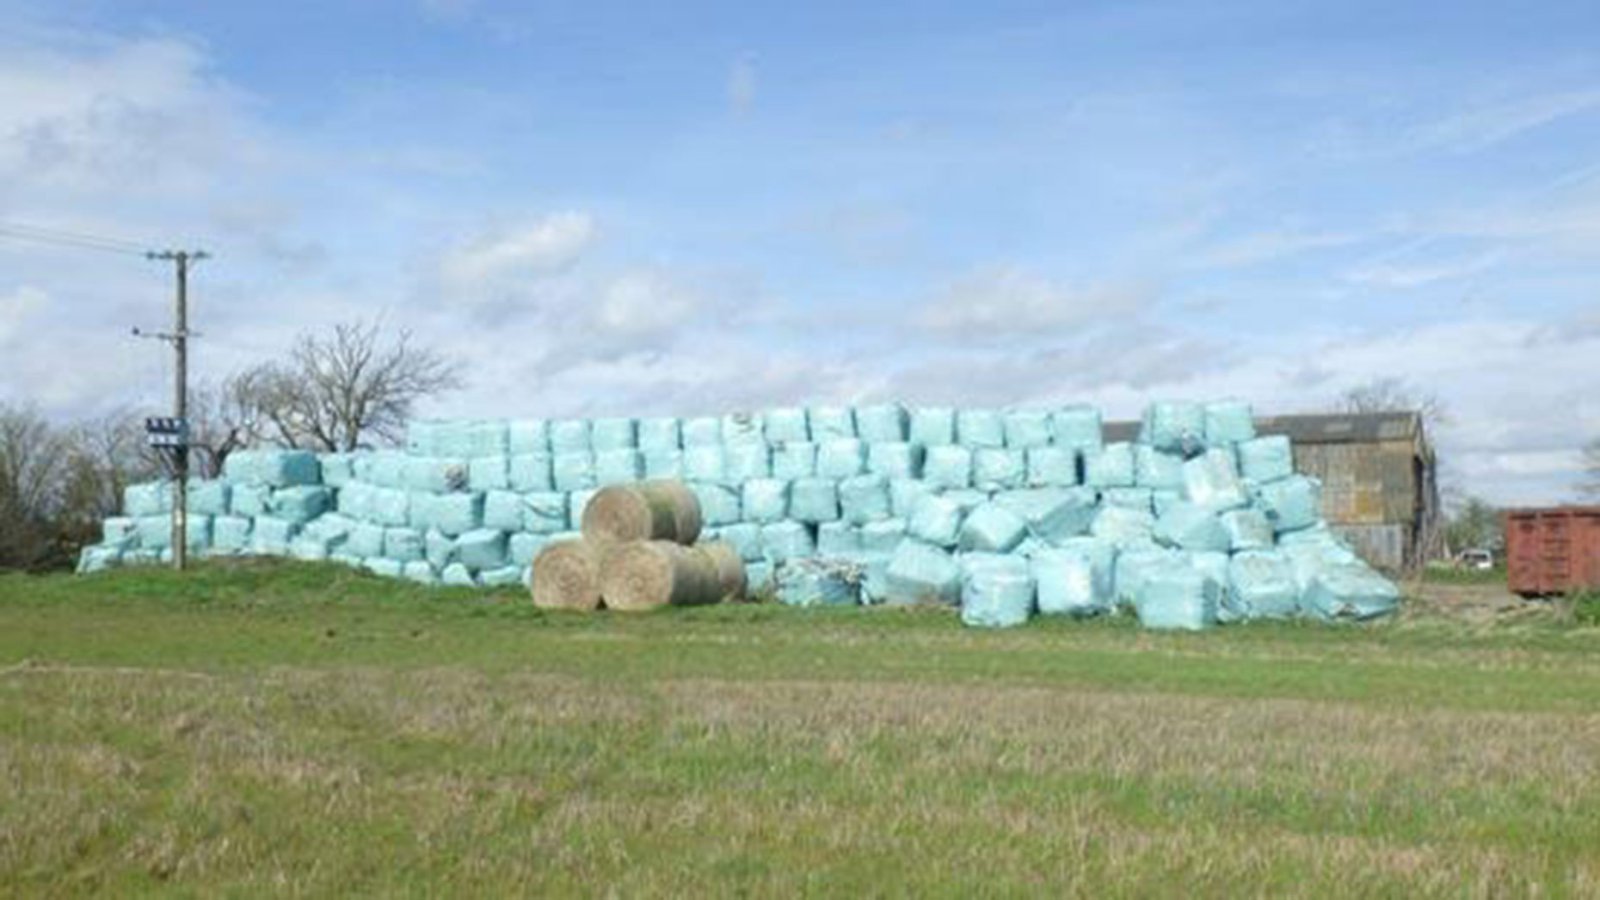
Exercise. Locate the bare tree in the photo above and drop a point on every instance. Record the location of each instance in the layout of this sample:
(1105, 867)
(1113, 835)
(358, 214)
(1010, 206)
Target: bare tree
(223, 418)
(1390, 394)
(33, 455)
(341, 391)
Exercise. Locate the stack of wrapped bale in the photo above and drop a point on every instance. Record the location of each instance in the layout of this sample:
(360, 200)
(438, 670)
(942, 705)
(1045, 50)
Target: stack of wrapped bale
(1002, 513)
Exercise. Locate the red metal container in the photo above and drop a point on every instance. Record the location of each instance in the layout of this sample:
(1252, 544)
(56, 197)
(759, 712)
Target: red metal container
(1553, 551)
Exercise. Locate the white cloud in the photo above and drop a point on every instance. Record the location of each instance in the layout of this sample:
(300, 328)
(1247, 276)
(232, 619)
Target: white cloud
(15, 310)
(1417, 274)
(544, 247)
(1009, 301)
(742, 84)
(1267, 246)
(1484, 125)
(642, 303)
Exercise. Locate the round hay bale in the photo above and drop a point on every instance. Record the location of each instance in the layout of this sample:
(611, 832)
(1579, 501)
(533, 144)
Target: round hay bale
(566, 575)
(660, 510)
(651, 574)
(727, 566)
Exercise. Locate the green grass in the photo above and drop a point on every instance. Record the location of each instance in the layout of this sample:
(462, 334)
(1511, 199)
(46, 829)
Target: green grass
(278, 728)
(1444, 574)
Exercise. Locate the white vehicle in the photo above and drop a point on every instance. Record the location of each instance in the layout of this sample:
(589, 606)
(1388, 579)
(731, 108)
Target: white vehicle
(1475, 559)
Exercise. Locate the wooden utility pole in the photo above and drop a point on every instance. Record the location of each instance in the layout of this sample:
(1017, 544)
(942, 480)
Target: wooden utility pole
(180, 401)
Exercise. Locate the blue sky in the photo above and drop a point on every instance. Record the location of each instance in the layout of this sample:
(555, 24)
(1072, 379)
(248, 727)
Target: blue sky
(694, 207)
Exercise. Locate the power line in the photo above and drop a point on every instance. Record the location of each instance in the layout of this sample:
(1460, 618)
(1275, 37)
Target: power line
(74, 239)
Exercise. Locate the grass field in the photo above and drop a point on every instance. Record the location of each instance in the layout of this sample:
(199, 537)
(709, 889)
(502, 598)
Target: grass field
(277, 728)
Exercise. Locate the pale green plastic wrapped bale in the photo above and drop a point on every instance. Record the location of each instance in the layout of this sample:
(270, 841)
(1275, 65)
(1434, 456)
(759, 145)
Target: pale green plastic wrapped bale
(618, 466)
(760, 576)
(151, 498)
(997, 469)
(841, 458)
(505, 576)
(704, 462)
(998, 594)
(577, 502)
(422, 437)
(933, 426)
(288, 468)
(384, 568)
(1177, 597)
(1261, 585)
(980, 428)
(1157, 469)
(1130, 497)
(895, 460)
(947, 467)
(1229, 422)
(765, 500)
(482, 548)
(1175, 427)
(1067, 586)
(830, 422)
(1211, 480)
(271, 535)
(502, 510)
(1187, 526)
(521, 548)
(300, 504)
(1102, 557)
(337, 469)
(570, 436)
(818, 583)
(991, 528)
(701, 431)
(905, 494)
(864, 498)
(92, 559)
(613, 434)
(119, 531)
(1124, 527)
(544, 513)
(719, 503)
(663, 464)
(250, 500)
(208, 498)
(489, 437)
(332, 526)
(1077, 428)
(1215, 567)
(742, 428)
(936, 521)
(573, 470)
(1109, 467)
(1052, 467)
(885, 423)
(1026, 428)
(743, 537)
(455, 514)
(1292, 503)
(968, 499)
(743, 462)
(1266, 459)
(365, 540)
(403, 544)
(1309, 558)
(384, 468)
(435, 474)
(1162, 500)
(922, 573)
(786, 426)
(528, 436)
(390, 506)
(489, 473)
(420, 572)
(197, 533)
(438, 548)
(838, 540)
(1350, 591)
(309, 548)
(814, 500)
(1248, 529)
(531, 472)
(660, 433)
(882, 537)
(785, 541)
(794, 460)
(1053, 515)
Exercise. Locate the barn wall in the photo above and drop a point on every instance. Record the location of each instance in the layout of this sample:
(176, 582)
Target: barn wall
(1370, 494)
